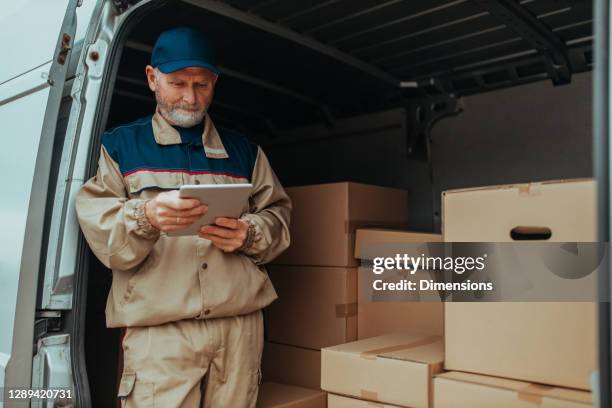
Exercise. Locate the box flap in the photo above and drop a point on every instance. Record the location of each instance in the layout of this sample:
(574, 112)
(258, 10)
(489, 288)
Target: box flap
(398, 346)
(520, 186)
(376, 236)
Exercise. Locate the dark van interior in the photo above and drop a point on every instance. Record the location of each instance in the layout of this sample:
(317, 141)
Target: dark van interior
(420, 95)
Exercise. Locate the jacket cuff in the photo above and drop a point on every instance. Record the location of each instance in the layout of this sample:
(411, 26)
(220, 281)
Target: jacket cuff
(251, 234)
(144, 227)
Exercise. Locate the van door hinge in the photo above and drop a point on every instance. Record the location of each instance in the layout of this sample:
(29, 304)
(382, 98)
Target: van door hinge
(65, 48)
(47, 321)
(121, 5)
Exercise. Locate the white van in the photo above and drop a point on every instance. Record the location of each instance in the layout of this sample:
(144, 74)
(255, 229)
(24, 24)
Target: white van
(422, 95)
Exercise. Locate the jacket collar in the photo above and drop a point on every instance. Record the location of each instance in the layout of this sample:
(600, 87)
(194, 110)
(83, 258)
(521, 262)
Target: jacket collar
(165, 134)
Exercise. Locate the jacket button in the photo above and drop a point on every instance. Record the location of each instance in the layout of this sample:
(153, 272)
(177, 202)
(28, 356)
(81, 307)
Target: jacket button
(204, 265)
(207, 312)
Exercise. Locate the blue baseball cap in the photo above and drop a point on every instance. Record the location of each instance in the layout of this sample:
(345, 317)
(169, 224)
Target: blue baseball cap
(183, 47)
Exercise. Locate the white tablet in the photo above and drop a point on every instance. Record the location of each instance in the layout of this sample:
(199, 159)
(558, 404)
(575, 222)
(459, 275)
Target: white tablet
(223, 200)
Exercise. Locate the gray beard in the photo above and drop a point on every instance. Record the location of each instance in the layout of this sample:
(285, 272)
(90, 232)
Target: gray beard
(182, 118)
(179, 117)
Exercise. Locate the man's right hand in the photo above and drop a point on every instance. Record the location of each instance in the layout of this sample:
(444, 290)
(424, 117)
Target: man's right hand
(169, 212)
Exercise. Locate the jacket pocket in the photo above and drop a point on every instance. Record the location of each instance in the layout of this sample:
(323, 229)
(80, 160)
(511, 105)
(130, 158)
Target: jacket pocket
(147, 184)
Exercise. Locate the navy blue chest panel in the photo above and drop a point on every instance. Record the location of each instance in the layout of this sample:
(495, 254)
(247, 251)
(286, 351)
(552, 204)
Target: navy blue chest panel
(134, 148)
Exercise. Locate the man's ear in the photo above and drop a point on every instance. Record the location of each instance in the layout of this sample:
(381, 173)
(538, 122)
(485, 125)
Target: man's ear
(151, 77)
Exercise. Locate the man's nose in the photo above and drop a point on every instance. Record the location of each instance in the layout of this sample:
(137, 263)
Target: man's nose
(189, 96)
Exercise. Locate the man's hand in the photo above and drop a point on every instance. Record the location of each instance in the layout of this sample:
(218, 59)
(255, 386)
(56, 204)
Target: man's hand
(228, 234)
(169, 212)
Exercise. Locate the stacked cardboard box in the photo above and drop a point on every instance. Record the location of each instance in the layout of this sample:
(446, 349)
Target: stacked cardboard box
(292, 365)
(401, 346)
(395, 369)
(316, 278)
(274, 395)
(465, 390)
(550, 343)
(498, 353)
(339, 401)
(325, 217)
(423, 316)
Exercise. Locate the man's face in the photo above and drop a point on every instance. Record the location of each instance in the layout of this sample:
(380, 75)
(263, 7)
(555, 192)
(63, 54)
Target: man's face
(183, 96)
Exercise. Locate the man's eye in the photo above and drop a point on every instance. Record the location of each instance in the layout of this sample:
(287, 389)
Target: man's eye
(176, 83)
(203, 84)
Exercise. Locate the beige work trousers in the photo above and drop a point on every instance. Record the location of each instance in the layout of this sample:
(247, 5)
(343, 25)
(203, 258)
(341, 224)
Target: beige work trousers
(170, 365)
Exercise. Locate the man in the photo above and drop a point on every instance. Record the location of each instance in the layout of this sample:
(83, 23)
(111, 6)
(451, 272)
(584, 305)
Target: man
(191, 304)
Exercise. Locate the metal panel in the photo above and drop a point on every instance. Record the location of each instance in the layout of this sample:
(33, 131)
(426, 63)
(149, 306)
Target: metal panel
(460, 59)
(425, 27)
(37, 136)
(461, 30)
(250, 19)
(601, 154)
(535, 32)
(446, 48)
(336, 13)
(377, 17)
(52, 370)
(17, 182)
(415, 40)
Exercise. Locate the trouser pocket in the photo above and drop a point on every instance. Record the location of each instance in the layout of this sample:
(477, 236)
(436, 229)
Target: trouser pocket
(134, 393)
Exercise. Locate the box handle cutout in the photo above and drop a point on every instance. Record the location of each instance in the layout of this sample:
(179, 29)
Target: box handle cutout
(524, 233)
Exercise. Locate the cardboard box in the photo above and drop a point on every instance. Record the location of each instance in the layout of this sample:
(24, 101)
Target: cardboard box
(273, 395)
(424, 316)
(545, 342)
(338, 401)
(393, 369)
(464, 390)
(549, 342)
(325, 216)
(316, 306)
(378, 318)
(292, 365)
(388, 238)
(565, 208)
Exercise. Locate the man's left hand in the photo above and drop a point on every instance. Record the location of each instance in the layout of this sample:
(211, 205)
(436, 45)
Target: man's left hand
(228, 234)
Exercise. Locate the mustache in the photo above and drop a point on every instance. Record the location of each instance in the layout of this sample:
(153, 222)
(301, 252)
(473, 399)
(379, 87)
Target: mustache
(185, 106)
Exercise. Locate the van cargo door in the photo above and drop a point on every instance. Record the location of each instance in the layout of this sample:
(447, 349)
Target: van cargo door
(37, 38)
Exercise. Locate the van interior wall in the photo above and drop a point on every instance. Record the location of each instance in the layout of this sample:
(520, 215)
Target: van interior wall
(373, 158)
(532, 132)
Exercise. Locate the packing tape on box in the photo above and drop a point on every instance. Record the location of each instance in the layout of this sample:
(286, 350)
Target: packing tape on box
(533, 393)
(530, 189)
(372, 354)
(369, 395)
(346, 309)
(352, 225)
